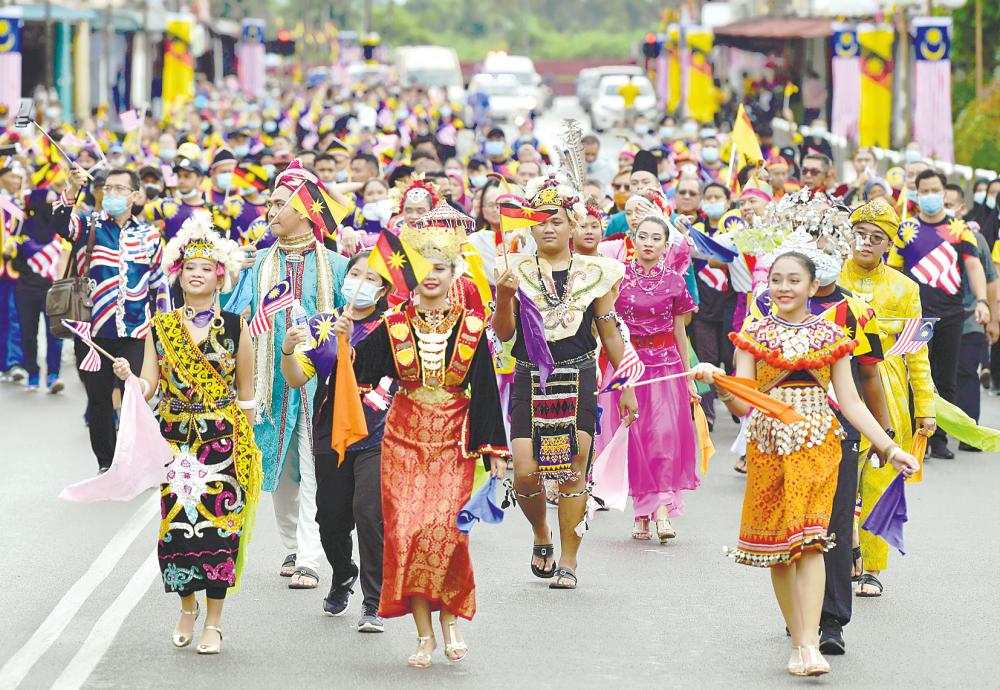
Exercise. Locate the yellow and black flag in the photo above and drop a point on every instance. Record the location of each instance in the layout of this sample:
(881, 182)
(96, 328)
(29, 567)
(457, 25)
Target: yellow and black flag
(396, 261)
(246, 176)
(315, 203)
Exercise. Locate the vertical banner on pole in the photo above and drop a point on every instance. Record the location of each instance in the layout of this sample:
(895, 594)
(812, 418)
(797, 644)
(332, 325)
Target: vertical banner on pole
(250, 58)
(672, 48)
(178, 64)
(876, 84)
(846, 73)
(81, 69)
(701, 98)
(932, 126)
(10, 61)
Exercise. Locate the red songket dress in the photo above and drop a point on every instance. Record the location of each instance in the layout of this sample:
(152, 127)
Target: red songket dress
(445, 416)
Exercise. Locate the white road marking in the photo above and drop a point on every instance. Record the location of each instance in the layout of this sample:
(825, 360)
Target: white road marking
(19, 665)
(107, 626)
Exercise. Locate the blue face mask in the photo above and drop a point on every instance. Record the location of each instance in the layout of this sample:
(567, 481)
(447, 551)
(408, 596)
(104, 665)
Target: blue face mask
(167, 154)
(224, 180)
(912, 156)
(363, 293)
(270, 170)
(494, 148)
(242, 151)
(930, 204)
(477, 181)
(115, 204)
(341, 176)
(710, 155)
(979, 197)
(713, 209)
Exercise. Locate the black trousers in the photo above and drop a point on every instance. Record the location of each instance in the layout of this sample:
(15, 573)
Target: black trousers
(839, 595)
(711, 343)
(943, 352)
(30, 301)
(995, 365)
(210, 592)
(99, 386)
(972, 351)
(347, 495)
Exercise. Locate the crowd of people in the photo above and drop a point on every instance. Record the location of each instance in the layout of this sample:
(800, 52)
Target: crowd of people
(505, 354)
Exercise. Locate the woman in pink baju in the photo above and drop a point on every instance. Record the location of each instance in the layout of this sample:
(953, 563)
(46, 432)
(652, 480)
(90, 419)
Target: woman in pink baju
(652, 301)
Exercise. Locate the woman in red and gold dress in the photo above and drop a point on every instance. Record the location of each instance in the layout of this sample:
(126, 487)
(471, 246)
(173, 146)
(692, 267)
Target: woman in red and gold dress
(444, 418)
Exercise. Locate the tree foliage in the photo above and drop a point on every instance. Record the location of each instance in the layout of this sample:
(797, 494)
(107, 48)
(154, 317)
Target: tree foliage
(963, 49)
(976, 130)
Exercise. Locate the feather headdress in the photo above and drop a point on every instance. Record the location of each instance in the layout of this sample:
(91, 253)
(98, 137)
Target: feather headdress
(198, 239)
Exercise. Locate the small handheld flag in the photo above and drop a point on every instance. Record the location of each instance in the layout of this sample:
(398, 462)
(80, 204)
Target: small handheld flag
(44, 258)
(278, 298)
(10, 208)
(315, 203)
(349, 425)
(92, 362)
(914, 336)
(888, 515)
(130, 120)
(399, 263)
(629, 370)
(248, 176)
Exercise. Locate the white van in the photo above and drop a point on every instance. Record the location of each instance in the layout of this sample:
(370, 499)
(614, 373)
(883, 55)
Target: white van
(523, 69)
(431, 66)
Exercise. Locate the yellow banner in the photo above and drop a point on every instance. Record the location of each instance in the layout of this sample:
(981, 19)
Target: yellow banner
(876, 84)
(703, 97)
(672, 46)
(178, 64)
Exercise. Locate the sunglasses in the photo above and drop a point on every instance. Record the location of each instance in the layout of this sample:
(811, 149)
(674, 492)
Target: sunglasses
(812, 171)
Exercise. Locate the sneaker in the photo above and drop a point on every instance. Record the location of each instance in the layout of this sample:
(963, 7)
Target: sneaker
(965, 447)
(33, 382)
(941, 452)
(832, 642)
(370, 621)
(17, 374)
(985, 378)
(339, 598)
(56, 384)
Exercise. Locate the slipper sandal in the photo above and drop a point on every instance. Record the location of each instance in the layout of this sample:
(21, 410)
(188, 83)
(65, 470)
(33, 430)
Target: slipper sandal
(566, 573)
(856, 555)
(303, 572)
(545, 551)
(741, 465)
(288, 566)
(868, 579)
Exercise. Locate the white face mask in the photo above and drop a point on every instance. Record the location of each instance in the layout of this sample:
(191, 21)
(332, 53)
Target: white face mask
(365, 294)
(378, 210)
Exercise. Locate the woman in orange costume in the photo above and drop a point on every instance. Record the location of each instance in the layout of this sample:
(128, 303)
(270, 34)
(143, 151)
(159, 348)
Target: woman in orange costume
(792, 468)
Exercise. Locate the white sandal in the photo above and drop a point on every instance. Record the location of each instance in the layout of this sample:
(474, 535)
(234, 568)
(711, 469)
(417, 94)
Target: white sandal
(451, 647)
(181, 640)
(421, 658)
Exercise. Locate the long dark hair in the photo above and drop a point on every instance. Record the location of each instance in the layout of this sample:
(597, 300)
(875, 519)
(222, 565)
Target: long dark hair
(481, 222)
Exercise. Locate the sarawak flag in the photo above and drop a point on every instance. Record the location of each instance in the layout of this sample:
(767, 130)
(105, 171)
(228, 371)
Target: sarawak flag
(315, 203)
(514, 215)
(349, 424)
(396, 261)
(250, 177)
(746, 390)
(876, 84)
(744, 138)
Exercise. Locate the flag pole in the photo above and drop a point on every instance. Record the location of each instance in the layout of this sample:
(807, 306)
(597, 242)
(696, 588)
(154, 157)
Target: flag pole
(287, 205)
(732, 164)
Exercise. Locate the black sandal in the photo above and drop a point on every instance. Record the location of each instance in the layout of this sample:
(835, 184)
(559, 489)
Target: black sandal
(868, 579)
(544, 551)
(856, 554)
(289, 562)
(563, 572)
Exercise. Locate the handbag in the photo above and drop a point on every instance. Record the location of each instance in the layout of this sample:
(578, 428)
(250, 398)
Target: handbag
(69, 297)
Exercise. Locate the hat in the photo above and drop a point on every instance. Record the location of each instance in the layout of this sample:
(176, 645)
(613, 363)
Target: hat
(757, 188)
(645, 161)
(184, 163)
(222, 156)
(294, 176)
(880, 214)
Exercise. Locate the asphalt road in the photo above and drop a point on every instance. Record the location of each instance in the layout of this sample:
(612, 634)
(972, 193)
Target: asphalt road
(82, 605)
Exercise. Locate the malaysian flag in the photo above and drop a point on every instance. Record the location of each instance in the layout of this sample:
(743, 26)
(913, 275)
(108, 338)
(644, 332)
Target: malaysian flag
(130, 120)
(629, 370)
(92, 362)
(43, 258)
(915, 335)
(277, 299)
(8, 206)
(713, 277)
(939, 268)
(846, 72)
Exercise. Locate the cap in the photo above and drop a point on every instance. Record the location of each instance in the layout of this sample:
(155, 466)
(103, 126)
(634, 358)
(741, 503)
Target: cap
(222, 156)
(645, 161)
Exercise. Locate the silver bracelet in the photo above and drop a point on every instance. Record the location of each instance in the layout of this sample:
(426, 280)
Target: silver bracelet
(610, 316)
(247, 404)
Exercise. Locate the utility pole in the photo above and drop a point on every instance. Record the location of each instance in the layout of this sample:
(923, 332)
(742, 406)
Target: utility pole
(48, 65)
(979, 50)
(368, 16)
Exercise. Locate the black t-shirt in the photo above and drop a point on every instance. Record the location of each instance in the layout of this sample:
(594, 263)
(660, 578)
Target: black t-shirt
(578, 344)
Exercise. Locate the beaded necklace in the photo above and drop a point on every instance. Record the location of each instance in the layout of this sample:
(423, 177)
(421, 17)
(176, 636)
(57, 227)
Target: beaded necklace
(550, 299)
(656, 274)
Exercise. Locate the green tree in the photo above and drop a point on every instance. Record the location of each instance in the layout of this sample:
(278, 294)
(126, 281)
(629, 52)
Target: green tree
(963, 50)
(976, 130)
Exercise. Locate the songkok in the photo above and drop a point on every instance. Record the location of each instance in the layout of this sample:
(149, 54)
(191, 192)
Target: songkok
(645, 161)
(879, 213)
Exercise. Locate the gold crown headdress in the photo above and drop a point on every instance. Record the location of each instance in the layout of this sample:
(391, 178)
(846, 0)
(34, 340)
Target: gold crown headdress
(439, 233)
(198, 239)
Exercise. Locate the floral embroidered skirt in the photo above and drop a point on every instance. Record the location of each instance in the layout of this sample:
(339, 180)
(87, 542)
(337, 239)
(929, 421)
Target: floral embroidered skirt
(425, 482)
(201, 508)
(786, 507)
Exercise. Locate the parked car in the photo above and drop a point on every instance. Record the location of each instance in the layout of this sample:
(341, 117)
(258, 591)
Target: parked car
(586, 82)
(431, 67)
(523, 69)
(608, 107)
(507, 99)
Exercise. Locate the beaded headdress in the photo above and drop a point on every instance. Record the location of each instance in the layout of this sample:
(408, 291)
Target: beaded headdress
(439, 233)
(419, 190)
(561, 189)
(197, 239)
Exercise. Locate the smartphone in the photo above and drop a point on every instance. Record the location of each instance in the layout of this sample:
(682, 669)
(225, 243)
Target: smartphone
(25, 113)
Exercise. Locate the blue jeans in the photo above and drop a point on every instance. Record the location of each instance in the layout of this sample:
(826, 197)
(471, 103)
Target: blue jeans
(10, 327)
(30, 307)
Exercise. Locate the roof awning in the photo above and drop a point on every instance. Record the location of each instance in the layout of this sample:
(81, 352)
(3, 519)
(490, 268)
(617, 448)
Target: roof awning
(761, 34)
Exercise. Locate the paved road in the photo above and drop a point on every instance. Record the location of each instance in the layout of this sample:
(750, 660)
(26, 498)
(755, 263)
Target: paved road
(81, 605)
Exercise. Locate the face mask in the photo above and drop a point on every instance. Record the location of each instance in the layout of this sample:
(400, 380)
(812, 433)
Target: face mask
(377, 210)
(224, 180)
(402, 114)
(115, 204)
(270, 126)
(364, 293)
(689, 129)
(950, 212)
(167, 154)
(620, 199)
(446, 113)
(205, 126)
(991, 202)
(477, 181)
(188, 195)
(930, 204)
(912, 156)
(642, 129)
(341, 176)
(707, 132)
(666, 132)
(979, 197)
(827, 275)
(137, 209)
(820, 133)
(710, 155)
(494, 148)
(242, 151)
(713, 209)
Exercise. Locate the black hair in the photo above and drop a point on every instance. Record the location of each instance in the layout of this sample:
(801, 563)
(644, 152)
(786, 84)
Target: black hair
(377, 180)
(928, 174)
(475, 164)
(324, 156)
(367, 158)
(133, 176)
(382, 303)
(803, 260)
(656, 219)
(399, 173)
(481, 223)
(821, 157)
(951, 186)
(420, 155)
(710, 185)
